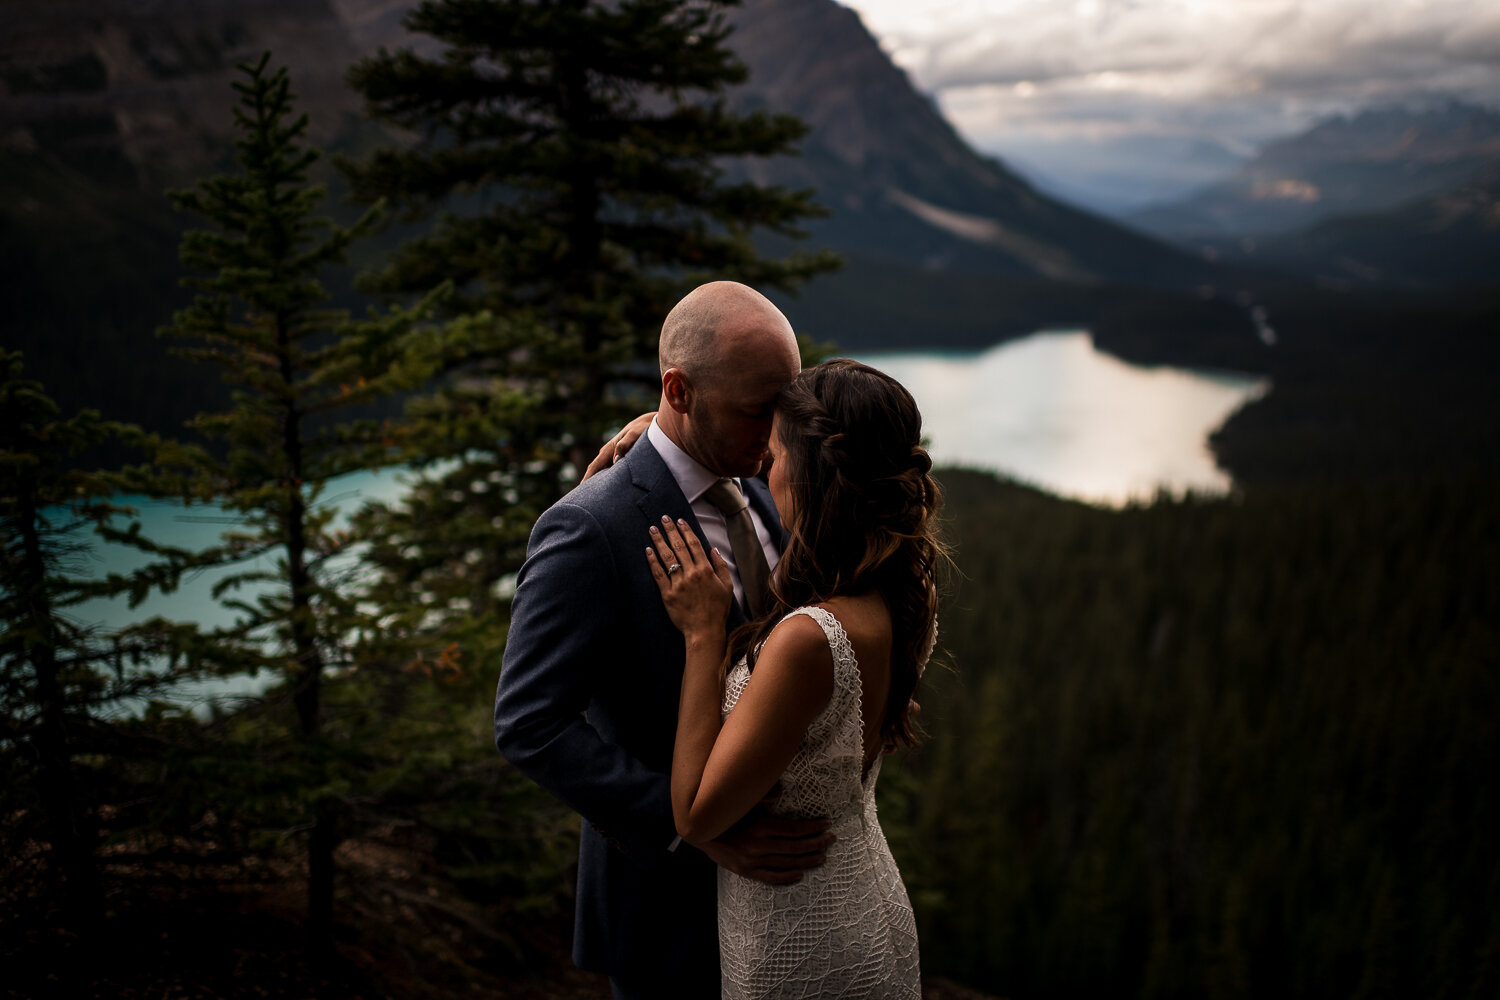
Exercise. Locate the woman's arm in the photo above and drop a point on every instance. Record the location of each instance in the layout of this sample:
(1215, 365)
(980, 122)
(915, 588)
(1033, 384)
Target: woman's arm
(720, 772)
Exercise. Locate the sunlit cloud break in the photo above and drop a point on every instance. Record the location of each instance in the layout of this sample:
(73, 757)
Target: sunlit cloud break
(1019, 72)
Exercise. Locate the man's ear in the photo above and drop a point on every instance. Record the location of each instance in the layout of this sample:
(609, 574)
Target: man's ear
(676, 389)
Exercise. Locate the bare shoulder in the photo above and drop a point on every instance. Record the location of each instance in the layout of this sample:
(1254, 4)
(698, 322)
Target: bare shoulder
(796, 665)
(799, 638)
(864, 616)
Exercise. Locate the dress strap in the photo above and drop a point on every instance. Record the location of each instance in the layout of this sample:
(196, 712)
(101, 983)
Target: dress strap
(838, 639)
(847, 682)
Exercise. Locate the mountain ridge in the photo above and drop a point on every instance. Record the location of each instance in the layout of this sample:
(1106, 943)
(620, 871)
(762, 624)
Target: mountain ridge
(900, 179)
(1363, 164)
(152, 81)
(1447, 239)
(104, 104)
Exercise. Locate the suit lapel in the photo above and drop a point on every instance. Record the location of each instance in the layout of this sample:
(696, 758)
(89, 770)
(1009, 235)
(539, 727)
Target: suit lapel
(656, 492)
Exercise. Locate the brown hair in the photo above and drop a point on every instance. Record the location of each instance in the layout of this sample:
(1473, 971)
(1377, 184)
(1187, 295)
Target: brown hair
(864, 516)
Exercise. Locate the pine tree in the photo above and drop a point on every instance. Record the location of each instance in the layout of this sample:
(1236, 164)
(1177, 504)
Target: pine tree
(295, 366)
(572, 154)
(62, 679)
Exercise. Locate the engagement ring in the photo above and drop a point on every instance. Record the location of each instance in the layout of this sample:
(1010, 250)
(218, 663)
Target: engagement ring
(673, 568)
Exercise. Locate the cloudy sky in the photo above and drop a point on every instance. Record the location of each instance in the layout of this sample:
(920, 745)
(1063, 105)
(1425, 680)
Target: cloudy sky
(1092, 93)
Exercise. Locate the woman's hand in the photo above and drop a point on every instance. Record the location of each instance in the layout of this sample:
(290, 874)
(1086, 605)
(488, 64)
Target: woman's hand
(695, 585)
(617, 446)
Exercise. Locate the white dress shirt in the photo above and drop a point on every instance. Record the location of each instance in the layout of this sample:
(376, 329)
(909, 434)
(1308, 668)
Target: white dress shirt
(694, 481)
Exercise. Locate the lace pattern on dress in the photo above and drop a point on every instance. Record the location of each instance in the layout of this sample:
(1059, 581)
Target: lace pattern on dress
(847, 929)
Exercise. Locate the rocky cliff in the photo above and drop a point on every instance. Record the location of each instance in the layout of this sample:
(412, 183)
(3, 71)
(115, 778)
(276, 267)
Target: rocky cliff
(84, 79)
(901, 182)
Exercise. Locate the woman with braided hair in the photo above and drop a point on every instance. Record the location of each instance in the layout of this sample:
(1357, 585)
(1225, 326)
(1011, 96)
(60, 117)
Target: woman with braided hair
(797, 707)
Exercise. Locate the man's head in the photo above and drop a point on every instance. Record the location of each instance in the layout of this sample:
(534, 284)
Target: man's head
(725, 353)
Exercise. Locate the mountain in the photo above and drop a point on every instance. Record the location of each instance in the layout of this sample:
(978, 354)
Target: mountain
(106, 103)
(103, 105)
(1123, 174)
(901, 182)
(944, 246)
(1447, 239)
(85, 79)
(1366, 164)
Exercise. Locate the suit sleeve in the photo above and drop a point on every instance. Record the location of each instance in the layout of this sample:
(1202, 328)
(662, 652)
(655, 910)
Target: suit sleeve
(567, 599)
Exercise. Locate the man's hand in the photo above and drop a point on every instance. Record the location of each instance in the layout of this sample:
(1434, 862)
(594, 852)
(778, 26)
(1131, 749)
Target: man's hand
(771, 849)
(619, 444)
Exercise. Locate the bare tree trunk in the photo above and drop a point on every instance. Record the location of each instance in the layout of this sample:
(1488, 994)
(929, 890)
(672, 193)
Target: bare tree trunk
(324, 837)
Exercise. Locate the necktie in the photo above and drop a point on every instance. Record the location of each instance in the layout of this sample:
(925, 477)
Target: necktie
(749, 557)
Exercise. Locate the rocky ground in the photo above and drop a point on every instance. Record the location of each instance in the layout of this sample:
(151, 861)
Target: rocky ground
(193, 928)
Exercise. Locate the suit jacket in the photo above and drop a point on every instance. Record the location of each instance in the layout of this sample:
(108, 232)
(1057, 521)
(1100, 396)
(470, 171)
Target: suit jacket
(587, 707)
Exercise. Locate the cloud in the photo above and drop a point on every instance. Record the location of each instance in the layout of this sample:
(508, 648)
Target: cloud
(1238, 71)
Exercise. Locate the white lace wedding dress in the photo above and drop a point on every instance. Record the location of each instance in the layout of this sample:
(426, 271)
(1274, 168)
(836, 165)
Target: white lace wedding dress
(846, 930)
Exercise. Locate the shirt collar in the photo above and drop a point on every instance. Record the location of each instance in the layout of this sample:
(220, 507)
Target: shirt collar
(692, 478)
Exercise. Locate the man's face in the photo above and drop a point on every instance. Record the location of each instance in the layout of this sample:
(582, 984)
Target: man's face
(722, 415)
(729, 421)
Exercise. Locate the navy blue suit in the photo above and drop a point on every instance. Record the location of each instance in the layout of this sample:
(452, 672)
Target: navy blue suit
(587, 707)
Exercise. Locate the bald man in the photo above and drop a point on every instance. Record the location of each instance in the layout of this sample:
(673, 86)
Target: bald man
(587, 700)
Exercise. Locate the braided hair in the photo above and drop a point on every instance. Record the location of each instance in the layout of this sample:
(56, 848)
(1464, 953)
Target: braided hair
(864, 516)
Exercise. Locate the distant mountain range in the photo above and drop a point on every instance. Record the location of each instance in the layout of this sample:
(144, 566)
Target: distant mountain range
(1118, 175)
(90, 79)
(901, 182)
(1393, 195)
(106, 102)
(943, 245)
(1447, 239)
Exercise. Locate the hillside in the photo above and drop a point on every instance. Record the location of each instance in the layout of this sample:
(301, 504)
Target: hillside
(1242, 739)
(103, 107)
(1448, 239)
(105, 104)
(900, 181)
(81, 79)
(1364, 164)
(943, 246)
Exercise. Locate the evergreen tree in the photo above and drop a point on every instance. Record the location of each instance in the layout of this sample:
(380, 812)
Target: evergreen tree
(572, 154)
(1211, 747)
(295, 366)
(61, 678)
